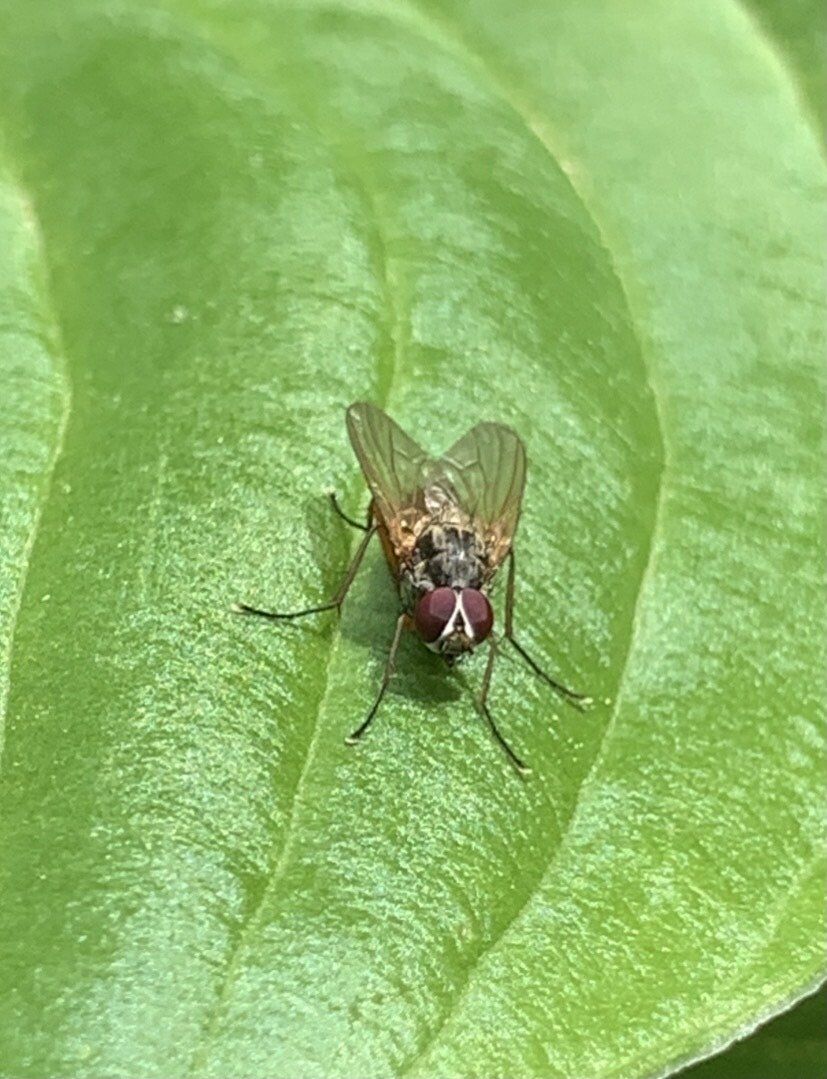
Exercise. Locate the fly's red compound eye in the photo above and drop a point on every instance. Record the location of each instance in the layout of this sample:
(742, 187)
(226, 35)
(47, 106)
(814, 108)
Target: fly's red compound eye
(478, 613)
(433, 613)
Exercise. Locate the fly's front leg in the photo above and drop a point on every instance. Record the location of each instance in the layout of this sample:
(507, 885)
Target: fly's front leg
(390, 667)
(333, 604)
(577, 700)
(482, 702)
(349, 520)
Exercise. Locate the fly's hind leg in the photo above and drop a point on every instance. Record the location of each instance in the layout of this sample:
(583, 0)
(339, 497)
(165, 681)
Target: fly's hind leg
(482, 703)
(390, 666)
(577, 700)
(333, 604)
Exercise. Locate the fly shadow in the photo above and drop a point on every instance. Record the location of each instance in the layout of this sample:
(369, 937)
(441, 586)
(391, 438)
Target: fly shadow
(366, 619)
(447, 606)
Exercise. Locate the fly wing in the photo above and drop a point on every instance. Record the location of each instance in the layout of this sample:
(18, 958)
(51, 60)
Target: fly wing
(484, 473)
(393, 464)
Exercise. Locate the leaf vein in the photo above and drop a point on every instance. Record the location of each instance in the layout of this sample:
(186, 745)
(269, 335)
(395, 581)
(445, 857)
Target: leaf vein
(540, 130)
(395, 327)
(780, 55)
(57, 352)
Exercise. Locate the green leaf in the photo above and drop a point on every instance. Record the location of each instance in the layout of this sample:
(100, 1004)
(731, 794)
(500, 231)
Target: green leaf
(600, 223)
(793, 1046)
(31, 427)
(799, 30)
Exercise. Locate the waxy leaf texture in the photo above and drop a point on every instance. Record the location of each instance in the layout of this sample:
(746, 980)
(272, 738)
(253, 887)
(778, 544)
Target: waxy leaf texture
(221, 221)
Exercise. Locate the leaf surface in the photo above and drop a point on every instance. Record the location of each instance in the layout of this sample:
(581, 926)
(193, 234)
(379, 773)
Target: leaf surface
(792, 1046)
(598, 224)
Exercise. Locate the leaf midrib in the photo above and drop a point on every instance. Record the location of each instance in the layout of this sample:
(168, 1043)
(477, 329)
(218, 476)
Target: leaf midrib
(448, 38)
(396, 319)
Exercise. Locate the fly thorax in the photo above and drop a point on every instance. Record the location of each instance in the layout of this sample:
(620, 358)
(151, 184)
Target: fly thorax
(447, 556)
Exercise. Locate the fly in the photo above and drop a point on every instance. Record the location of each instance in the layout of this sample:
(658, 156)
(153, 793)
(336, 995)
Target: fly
(446, 525)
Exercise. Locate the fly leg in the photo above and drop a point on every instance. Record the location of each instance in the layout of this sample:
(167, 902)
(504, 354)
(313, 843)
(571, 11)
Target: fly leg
(577, 700)
(349, 520)
(482, 702)
(334, 604)
(390, 666)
